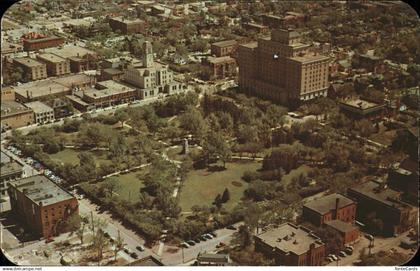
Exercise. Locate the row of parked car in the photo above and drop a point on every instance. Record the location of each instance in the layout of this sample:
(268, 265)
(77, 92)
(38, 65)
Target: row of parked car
(126, 250)
(348, 250)
(202, 238)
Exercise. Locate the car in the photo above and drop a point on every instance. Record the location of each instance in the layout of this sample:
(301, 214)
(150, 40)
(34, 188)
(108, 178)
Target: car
(231, 227)
(335, 258)
(191, 242)
(184, 245)
(140, 248)
(106, 235)
(134, 255)
(197, 240)
(369, 237)
(342, 254)
(213, 234)
(209, 236)
(329, 259)
(203, 238)
(348, 251)
(126, 250)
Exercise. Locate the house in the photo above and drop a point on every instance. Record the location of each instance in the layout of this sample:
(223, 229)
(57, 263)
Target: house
(213, 259)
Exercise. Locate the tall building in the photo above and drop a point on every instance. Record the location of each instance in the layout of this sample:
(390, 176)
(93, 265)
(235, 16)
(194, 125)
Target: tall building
(41, 204)
(153, 77)
(291, 245)
(55, 65)
(126, 26)
(41, 43)
(33, 69)
(282, 68)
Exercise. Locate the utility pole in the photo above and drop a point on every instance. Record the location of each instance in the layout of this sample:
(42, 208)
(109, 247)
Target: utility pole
(93, 224)
(182, 249)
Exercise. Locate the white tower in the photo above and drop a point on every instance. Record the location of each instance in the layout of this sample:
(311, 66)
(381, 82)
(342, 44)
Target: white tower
(148, 54)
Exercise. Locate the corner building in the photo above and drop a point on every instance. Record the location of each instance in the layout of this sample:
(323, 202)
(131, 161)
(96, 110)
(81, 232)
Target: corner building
(282, 69)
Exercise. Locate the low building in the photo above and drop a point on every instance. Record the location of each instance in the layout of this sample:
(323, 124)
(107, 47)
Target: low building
(272, 21)
(357, 109)
(81, 59)
(224, 48)
(9, 172)
(15, 115)
(127, 26)
(55, 65)
(41, 205)
(375, 199)
(41, 43)
(213, 259)
(371, 63)
(404, 177)
(42, 112)
(33, 70)
(146, 261)
(348, 233)
(331, 207)
(221, 67)
(291, 245)
(108, 93)
(61, 106)
(260, 29)
(7, 94)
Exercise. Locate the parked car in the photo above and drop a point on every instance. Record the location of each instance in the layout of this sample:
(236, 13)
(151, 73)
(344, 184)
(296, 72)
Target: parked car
(184, 245)
(348, 251)
(191, 242)
(335, 258)
(342, 254)
(134, 255)
(329, 259)
(126, 250)
(231, 227)
(203, 238)
(140, 248)
(197, 240)
(209, 236)
(213, 234)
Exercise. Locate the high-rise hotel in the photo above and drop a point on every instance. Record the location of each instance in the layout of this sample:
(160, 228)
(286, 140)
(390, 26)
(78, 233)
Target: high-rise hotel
(282, 68)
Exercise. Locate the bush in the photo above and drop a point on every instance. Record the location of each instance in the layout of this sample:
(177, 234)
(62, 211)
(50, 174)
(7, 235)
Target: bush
(250, 176)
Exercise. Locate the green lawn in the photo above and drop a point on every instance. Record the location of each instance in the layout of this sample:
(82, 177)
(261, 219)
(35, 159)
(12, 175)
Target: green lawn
(70, 156)
(202, 186)
(130, 185)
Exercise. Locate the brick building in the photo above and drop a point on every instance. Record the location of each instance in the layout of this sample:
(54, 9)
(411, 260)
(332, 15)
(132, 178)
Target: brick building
(41, 205)
(32, 69)
(108, 93)
(224, 48)
(330, 207)
(356, 108)
(15, 115)
(404, 177)
(41, 43)
(375, 199)
(221, 67)
(9, 172)
(348, 233)
(55, 65)
(42, 112)
(127, 26)
(81, 59)
(291, 245)
(260, 29)
(282, 68)
(272, 21)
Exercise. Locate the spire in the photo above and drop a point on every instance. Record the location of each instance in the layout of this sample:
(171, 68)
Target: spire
(148, 54)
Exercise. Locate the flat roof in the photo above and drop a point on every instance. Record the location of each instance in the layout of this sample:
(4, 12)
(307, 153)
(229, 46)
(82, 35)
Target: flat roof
(359, 103)
(39, 107)
(113, 71)
(41, 190)
(9, 108)
(327, 203)
(126, 21)
(73, 79)
(308, 57)
(256, 25)
(42, 39)
(68, 51)
(29, 62)
(222, 59)
(213, 257)
(290, 238)
(110, 88)
(51, 58)
(4, 158)
(251, 45)
(225, 43)
(341, 226)
(373, 190)
(40, 88)
(10, 168)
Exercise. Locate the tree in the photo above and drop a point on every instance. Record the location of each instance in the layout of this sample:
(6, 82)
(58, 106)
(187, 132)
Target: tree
(81, 231)
(118, 245)
(225, 196)
(111, 184)
(365, 127)
(87, 166)
(243, 237)
(121, 116)
(247, 134)
(216, 147)
(100, 243)
(192, 121)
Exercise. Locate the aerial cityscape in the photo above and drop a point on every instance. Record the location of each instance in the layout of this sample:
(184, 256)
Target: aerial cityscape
(209, 133)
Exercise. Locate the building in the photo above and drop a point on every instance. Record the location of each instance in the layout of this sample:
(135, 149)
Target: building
(330, 207)
(221, 67)
(224, 48)
(41, 204)
(371, 63)
(32, 69)
(41, 43)
(356, 108)
(42, 112)
(55, 65)
(153, 77)
(146, 261)
(282, 68)
(15, 115)
(62, 107)
(126, 26)
(213, 259)
(7, 94)
(81, 59)
(348, 233)
(291, 245)
(272, 21)
(375, 199)
(9, 172)
(260, 29)
(404, 177)
(108, 93)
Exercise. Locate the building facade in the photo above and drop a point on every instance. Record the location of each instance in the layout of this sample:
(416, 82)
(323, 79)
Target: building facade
(42, 112)
(33, 70)
(9, 172)
(108, 93)
(55, 65)
(41, 205)
(221, 67)
(41, 43)
(224, 48)
(127, 26)
(291, 245)
(15, 115)
(331, 207)
(282, 68)
(348, 233)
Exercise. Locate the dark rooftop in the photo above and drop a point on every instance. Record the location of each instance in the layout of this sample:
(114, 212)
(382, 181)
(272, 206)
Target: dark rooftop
(326, 204)
(341, 226)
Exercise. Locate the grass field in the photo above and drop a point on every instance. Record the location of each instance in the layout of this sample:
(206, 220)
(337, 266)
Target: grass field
(70, 156)
(130, 185)
(202, 186)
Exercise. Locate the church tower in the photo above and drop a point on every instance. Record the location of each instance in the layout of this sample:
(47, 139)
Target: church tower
(147, 54)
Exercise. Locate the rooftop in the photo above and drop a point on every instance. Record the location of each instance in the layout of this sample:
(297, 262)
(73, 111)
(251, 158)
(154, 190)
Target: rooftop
(326, 204)
(40, 88)
(42, 39)
(251, 45)
(127, 21)
(69, 51)
(4, 158)
(10, 168)
(29, 62)
(113, 71)
(73, 79)
(225, 43)
(51, 58)
(359, 103)
(147, 261)
(256, 25)
(41, 190)
(222, 59)
(9, 108)
(39, 107)
(213, 257)
(290, 238)
(110, 87)
(341, 226)
(308, 57)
